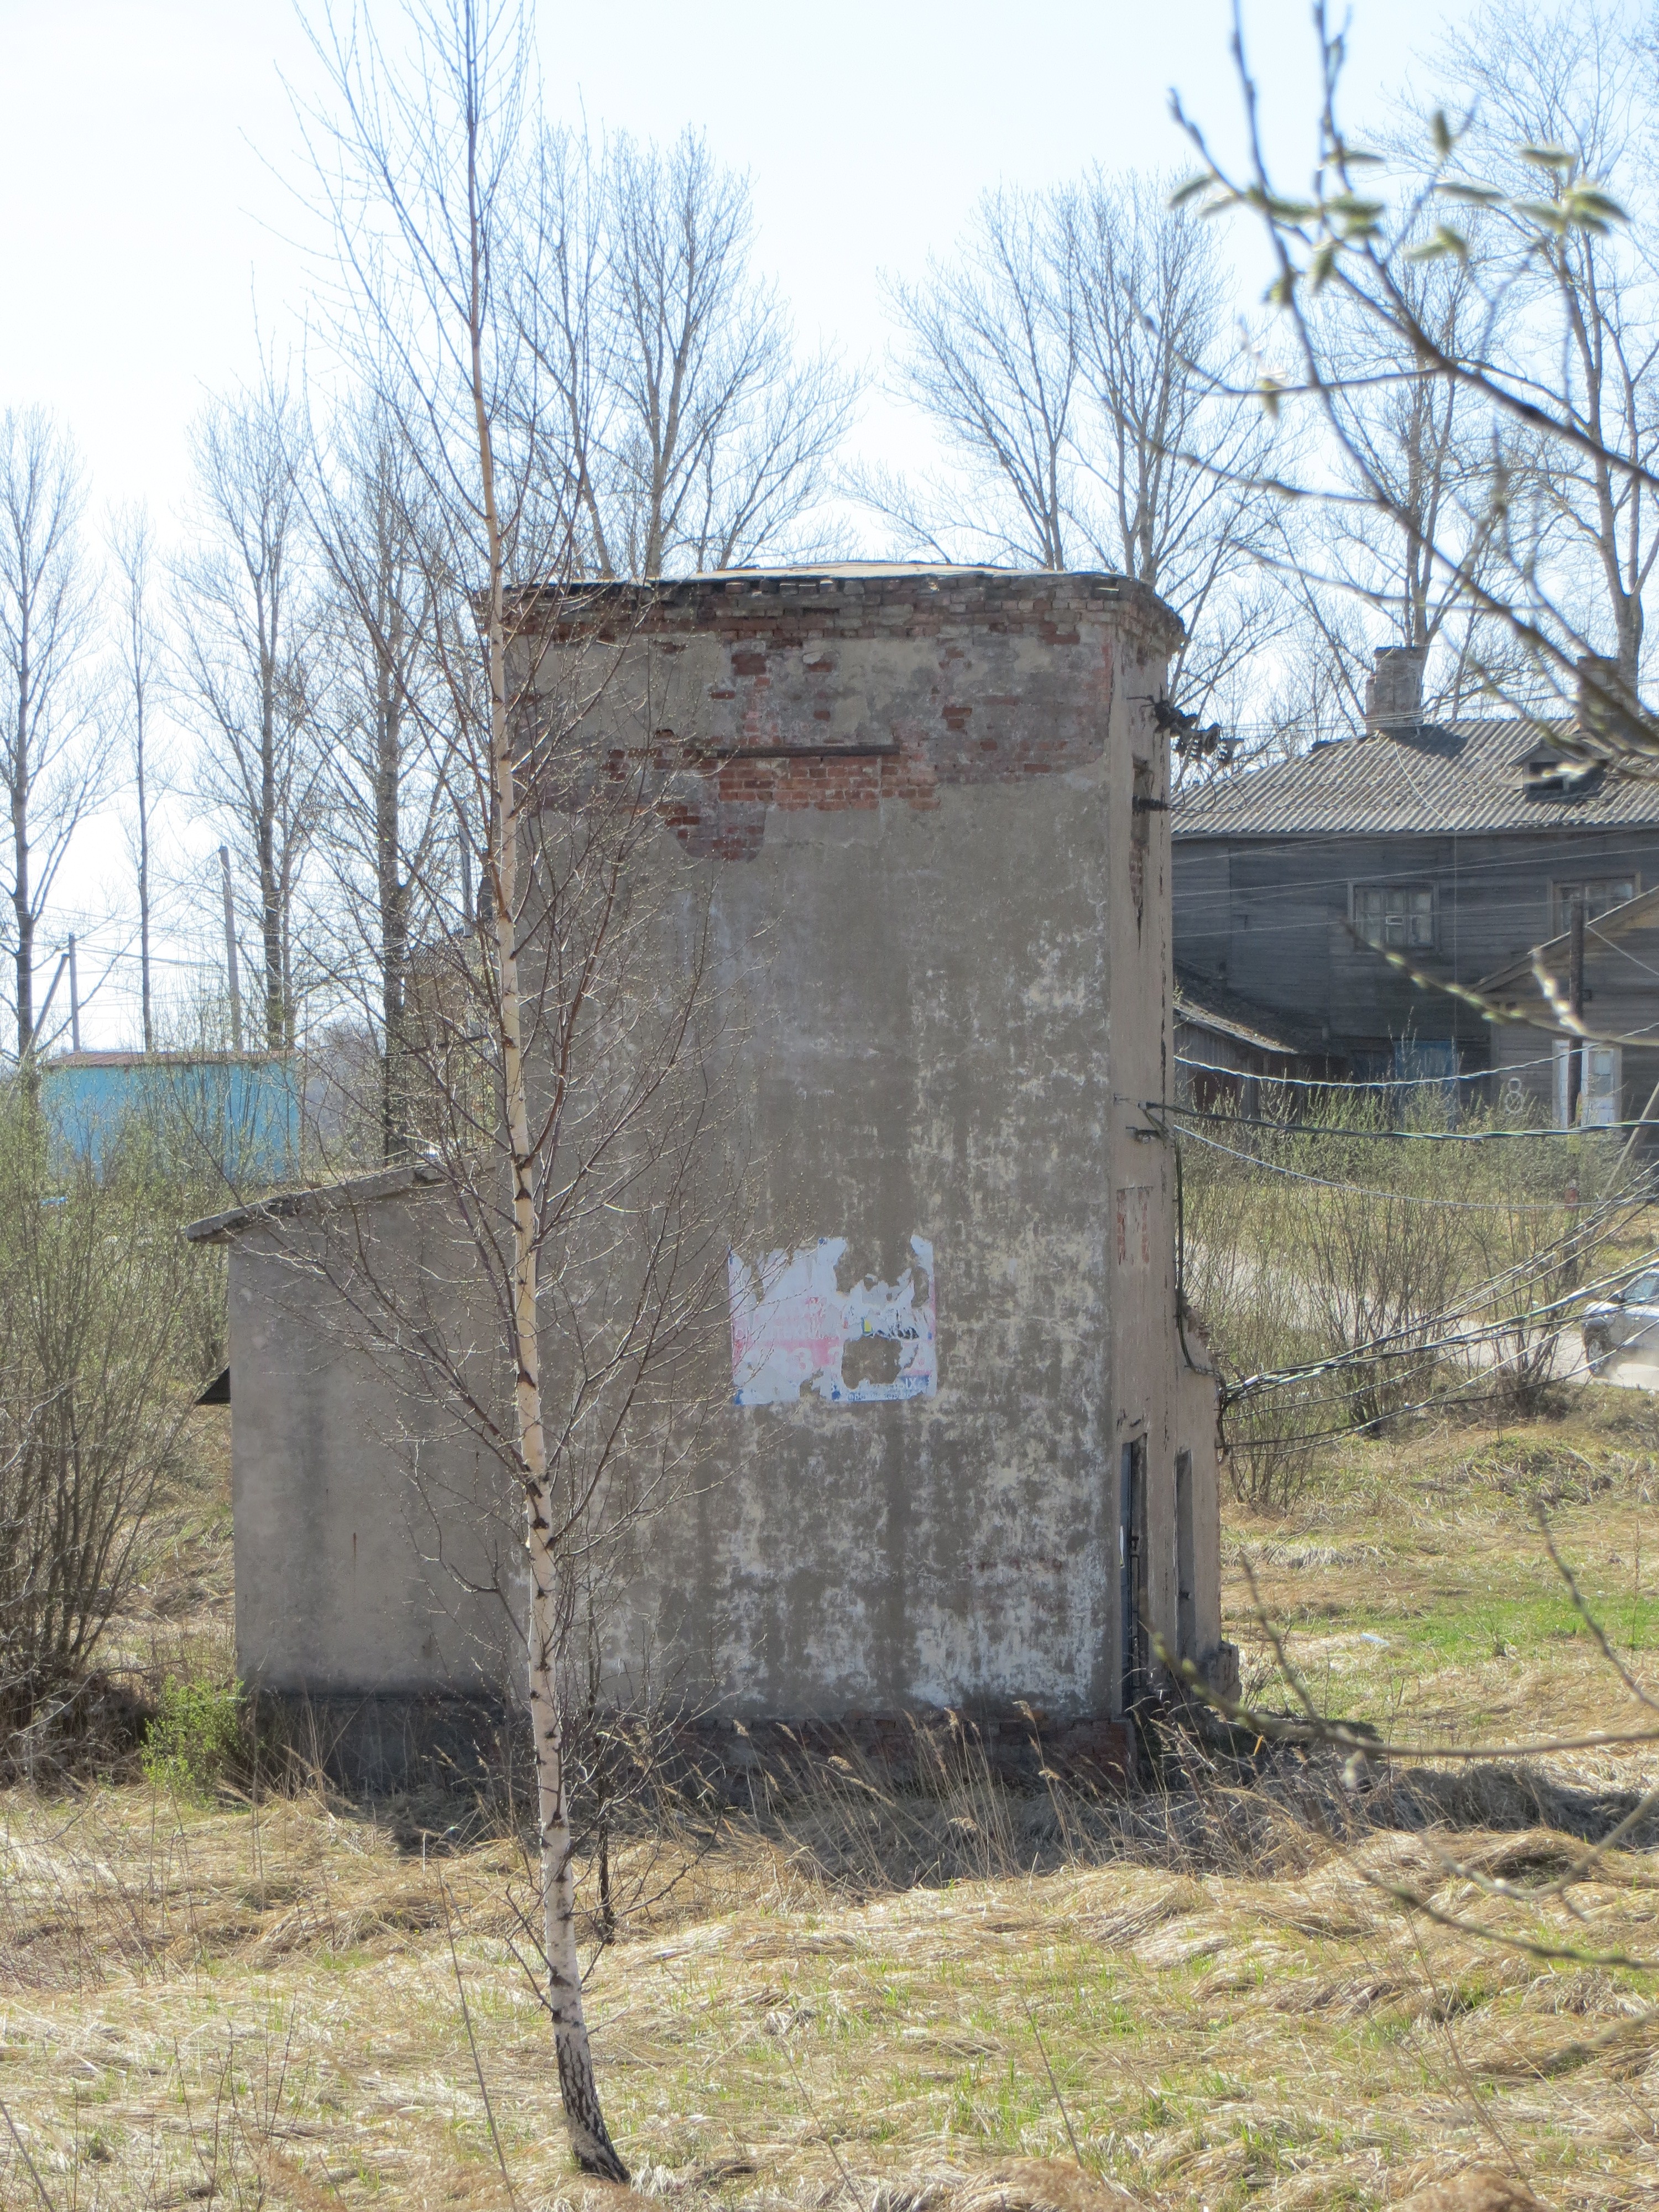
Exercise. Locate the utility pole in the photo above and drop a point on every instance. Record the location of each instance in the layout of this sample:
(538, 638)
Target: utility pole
(38, 1029)
(1576, 1001)
(230, 952)
(75, 999)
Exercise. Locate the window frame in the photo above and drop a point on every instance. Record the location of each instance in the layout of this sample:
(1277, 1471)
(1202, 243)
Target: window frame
(1561, 895)
(1405, 886)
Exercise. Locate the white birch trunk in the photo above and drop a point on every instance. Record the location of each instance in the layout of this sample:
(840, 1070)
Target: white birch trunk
(590, 2139)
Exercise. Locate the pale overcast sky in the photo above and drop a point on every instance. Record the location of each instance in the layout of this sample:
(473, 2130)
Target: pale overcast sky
(145, 220)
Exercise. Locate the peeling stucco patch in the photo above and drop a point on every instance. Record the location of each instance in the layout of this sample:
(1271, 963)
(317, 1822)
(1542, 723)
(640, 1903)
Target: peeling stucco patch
(793, 1329)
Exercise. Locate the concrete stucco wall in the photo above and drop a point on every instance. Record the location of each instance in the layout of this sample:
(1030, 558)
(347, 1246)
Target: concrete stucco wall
(957, 962)
(952, 947)
(370, 1532)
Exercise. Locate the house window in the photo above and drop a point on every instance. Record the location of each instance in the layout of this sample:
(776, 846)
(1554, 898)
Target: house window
(1399, 917)
(1601, 893)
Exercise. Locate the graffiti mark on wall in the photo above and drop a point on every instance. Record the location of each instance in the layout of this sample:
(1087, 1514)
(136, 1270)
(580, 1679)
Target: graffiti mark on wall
(794, 1330)
(1134, 1227)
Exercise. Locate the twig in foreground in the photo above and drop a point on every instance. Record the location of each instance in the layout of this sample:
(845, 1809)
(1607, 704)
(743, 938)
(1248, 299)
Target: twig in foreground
(1042, 2048)
(33, 2172)
(472, 2045)
(840, 2166)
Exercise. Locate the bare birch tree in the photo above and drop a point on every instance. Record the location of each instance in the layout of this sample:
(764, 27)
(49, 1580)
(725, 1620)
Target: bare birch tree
(52, 757)
(564, 1094)
(246, 625)
(694, 436)
(139, 656)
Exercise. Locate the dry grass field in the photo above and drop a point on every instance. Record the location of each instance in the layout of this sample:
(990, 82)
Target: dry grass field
(1205, 1998)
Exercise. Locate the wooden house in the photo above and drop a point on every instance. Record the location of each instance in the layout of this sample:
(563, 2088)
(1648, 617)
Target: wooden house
(1457, 847)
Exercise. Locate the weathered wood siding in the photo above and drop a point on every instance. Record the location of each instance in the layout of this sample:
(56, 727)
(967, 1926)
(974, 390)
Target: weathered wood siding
(1269, 917)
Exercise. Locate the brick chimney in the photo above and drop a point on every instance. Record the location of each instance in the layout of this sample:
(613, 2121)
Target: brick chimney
(1394, 692)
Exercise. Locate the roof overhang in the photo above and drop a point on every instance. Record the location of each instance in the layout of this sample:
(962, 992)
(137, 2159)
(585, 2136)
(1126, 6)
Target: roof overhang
(324, 1198)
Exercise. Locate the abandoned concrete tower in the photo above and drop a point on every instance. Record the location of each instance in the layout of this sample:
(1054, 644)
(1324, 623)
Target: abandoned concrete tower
(963, 1454)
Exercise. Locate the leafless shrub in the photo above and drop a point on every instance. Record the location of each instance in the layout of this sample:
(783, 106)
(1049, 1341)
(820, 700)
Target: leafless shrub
(90, 1334)
(1354, 1261)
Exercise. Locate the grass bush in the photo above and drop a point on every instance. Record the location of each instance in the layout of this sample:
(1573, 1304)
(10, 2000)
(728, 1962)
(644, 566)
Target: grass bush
(109, 1323)
(195, 1737)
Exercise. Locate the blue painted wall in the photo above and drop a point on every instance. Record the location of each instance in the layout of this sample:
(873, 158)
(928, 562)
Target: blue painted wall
(238, 1116)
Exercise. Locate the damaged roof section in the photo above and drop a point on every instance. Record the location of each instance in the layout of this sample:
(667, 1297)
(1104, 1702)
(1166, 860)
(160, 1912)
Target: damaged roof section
(1201, 1003)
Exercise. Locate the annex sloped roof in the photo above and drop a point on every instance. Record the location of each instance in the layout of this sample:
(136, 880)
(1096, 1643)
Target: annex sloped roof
(1641, 912)
(1200, 1000)
(1441, 777)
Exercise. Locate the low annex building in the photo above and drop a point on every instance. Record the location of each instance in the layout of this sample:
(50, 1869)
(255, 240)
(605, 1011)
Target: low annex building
(962, 1453)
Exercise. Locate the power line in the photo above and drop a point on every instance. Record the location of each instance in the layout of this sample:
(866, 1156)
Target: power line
(1419, 1353)
(1366, 1190)
(1379, 1136)
(1366, 1083)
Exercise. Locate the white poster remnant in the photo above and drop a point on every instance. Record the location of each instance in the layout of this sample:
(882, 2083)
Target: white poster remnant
(793, 1329)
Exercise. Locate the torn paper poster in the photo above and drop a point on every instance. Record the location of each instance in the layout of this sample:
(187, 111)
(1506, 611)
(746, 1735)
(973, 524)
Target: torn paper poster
(793, 1329)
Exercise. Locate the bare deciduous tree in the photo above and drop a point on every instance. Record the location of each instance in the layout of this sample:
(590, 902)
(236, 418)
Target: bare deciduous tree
(246, 627)
(1074, 355)
(563, 1094)
(1167, 453)
(1578, 89)
(1413, 472)
(1546, 551)
(993, 359)
(138, 652)
(51, 760)
(693, 436)
(385, 791)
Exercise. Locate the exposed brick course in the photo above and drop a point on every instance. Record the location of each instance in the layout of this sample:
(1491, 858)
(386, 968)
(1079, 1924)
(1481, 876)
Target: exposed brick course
(990, 714)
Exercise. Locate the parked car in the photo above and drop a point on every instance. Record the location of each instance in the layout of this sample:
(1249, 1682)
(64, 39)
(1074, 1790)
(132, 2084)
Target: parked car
(1628, 1321)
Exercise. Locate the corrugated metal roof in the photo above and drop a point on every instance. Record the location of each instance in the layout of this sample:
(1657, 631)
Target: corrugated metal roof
(1463, 776)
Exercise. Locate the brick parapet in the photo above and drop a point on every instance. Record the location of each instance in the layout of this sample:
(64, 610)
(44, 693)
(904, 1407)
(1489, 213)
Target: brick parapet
(1009, 677)
(791, 608)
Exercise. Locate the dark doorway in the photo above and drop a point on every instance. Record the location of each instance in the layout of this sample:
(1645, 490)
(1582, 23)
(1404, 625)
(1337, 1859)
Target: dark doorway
(1131, 1553)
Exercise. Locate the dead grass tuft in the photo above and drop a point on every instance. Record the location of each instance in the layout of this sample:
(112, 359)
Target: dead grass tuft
(915, 2002)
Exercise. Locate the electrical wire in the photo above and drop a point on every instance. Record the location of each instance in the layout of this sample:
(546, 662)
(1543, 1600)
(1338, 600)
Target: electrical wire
(1454, 1392)
(1366, 1190)
(1410, 1339)
(1379, 1136)
(1365, 1082)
